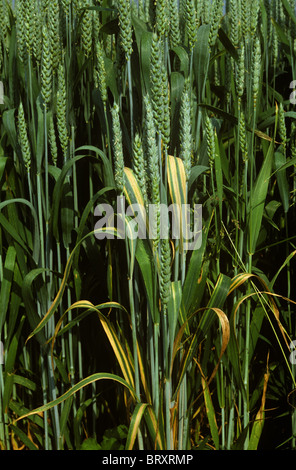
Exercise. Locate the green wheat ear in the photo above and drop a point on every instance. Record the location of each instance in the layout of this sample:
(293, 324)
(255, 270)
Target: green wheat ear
(100, 72)
(153, 166)
(240, 74)
(210, 138)
(52, 140)
(174, 29)
(125, 26)
(86, 30)
(61, 111)
(206, 11)
(156, 79)
(37, 45)
(282, 127)
(117, 149)
(30, 29)
(256, 68)
(191, 23)
(216, 16)
(46, 68)
(66, 6)
(246, 18)
(21, 31)
(162, 15)
(234, 22)
(4, 21)
(254, 16)
(140, 167)
(186, 133)
(160, 90)
(23, 137)
(165, 272)
(54, 34)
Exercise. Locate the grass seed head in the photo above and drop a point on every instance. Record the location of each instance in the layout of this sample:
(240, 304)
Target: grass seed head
(23, 137)
(46, 68)
(61, 111)
(256, 69)
(210, 137)
(165, 272)
(125, 26)
(185, 133)
(191, 24)
(86, 30)
(52, 140)
(174, 29)
(140, 167)
(162, 15)
(117, 149)
(100, 72)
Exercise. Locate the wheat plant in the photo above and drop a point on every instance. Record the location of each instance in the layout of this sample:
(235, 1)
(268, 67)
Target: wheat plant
(141, 341)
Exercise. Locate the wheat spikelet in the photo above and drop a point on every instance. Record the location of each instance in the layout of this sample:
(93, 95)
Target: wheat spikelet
(21, 31)
(216, 15)
(282, 127)
(54, 34)
(1, 57)
(243, 136)
(243, 147)
(86, 30)
(210, 137)
(174, 30)
(125, 26)
(254, 17)
(160, 90)
(153, 168)
(140, 167)
(162, 15)
(156, 80)
(37, 44)
(61, 112)
(30, 25)
(117, 149)
(100, 72)
(293, 140)
(256, 68)
(206, 11)
(234, 22)
(185, 133)
(165, 109)
(66, 6)
(23, 137)
(52, 140)
(240, 74)
(4, 21)
(191, 23)
(245, 18)
(165, 273)
(46, 68)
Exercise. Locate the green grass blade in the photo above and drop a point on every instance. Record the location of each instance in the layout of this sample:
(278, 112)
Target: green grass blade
(258, 198)
(135, 424)
(83, 383)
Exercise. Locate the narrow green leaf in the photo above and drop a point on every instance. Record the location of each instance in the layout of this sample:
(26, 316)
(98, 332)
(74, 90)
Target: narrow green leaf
(23, 438)
(6, 283)
(258, 198)
(83, 383)
(135, 424)
(280, 161)
(211, 414)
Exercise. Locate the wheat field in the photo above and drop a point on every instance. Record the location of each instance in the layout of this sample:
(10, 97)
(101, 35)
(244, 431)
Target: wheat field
(144, 342)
